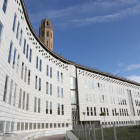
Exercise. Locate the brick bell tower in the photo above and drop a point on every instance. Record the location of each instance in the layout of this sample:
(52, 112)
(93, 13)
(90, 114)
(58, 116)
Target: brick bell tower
(46, 33)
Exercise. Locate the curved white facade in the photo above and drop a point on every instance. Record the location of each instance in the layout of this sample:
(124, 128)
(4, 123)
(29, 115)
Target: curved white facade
(38, 88)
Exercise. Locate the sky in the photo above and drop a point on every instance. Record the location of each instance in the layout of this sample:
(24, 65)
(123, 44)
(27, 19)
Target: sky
(103, 34)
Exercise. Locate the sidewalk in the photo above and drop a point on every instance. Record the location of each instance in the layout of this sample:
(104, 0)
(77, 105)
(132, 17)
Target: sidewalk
(55, 137)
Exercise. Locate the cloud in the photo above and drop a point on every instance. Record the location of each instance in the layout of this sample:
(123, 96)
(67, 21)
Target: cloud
(120, 64)
(132, 67)
(107, 18)
(134, 78)
(117, 72)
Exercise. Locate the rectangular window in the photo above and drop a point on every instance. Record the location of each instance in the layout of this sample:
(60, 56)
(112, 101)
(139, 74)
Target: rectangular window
(39, 105)
(27, 51)
(35, 82)
(20, 96)
(17, 30)
(47, 87)
(24, 47)
(22, 70)
(61, 77)
(14, 100)
(62, 109)
(86, 97)
(23, 105)
(58, 109)
(25, 74)
(39, 84)
(20, 37)
(4, 6)
(40, 68)
(18, 63)
(0, 30)
(47, 71)
(57, 75)
(92, 86)
(35, 102)
(5, 89)
(14, 58)
(50, 89)
(50, 72)
(62, 93)
(93, 98)
(87, 111)
(30, 58)
(10, 53)
(14, 22)
(29, 75)
(58, 92)
(37, 62)
(50, 107)
(10, 94)
(94, 111)
(91, 111)
(46, 107)
(90, 98)
(27, 102)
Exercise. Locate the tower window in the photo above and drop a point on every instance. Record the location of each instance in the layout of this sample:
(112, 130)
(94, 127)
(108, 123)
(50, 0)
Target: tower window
(44, 23)
(42, 33)
(47, 33)
(47, 23)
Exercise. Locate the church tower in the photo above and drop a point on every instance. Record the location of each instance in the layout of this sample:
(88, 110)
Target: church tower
(46, 33)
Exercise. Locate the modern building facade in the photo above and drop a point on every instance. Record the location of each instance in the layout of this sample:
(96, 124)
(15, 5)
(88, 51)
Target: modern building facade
(40, 90)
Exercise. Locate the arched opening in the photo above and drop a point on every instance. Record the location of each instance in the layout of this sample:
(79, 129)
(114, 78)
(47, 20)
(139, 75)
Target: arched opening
(47, 23)
(47, 33)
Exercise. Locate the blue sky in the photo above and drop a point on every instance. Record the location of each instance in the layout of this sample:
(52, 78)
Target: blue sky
(103, 34)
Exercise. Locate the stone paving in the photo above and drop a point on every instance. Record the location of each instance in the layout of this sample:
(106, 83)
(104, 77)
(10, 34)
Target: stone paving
(55, 137)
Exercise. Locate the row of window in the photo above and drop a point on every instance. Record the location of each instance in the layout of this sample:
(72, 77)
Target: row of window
(58, 76)
(21, 126)
(91, 111)
(89, 85)
(37, 103)
(122, 101)
(138, 111)
(137, 102)
(105, 110)
(13, 53)
(58, 93)
(90, 97)
(26, 51)
(136, 94)
(123, 112)
(26, 76)
(120, 122)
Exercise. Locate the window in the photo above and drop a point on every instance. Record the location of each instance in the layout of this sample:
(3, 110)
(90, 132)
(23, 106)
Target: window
(50, 89)
(90, 98)
(29, 74)
(14, 58)
(58, 92)
(17, 30)
(10, 94)
(14, 22)
(92, 86)
(24, 47)
(22, 69)
(46, 107)
(18, 63)
(50, 107)
(27, 102)
(39, 105)
(35, 82)
(30, 58)
(62, 93)
(4, 6)
(0, 30)
(58, 109)
(37, 62)
(27, 51)
(62, 107)
(61, 77)
(39, 84)
(14, 100)
(20, 96)
(35, 102)
(20, 37)
(94, 111)
(5, 89)
(47, 71)
(50, 72)
(47, 87)
(57, 75)
(91, 111)
(25, 74)
(42, 33)
(40, 69)
(47, 33)
(86, 97)
(87, 111)
(10, 53)
(23, 105)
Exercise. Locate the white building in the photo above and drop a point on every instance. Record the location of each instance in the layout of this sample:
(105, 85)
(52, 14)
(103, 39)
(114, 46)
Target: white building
(40, 90)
